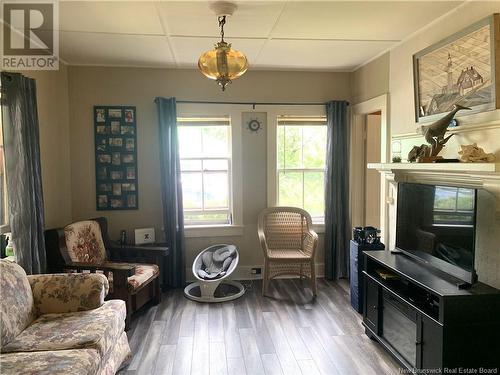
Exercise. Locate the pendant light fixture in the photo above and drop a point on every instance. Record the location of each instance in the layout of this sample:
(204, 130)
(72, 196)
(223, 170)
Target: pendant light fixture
(223, 64)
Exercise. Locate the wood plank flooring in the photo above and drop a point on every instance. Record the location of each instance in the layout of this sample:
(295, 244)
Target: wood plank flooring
(287, 333)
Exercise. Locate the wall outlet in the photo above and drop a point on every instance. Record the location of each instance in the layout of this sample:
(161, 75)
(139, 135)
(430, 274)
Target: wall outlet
(255, 271)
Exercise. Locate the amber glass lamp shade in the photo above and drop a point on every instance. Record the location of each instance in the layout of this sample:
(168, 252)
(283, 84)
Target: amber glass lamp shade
(223, 64)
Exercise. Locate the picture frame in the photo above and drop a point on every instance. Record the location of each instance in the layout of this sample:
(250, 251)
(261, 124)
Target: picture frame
(463, 68)
(130, 144)
(115, 131)
(128, 158)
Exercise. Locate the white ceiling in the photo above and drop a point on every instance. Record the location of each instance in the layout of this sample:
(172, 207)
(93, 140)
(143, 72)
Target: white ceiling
(299, 35)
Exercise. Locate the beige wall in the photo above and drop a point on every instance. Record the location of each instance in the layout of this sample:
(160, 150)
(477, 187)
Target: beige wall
(371, 80)
(89, 86)
(403, 124)
(53, 117)
(70, 167)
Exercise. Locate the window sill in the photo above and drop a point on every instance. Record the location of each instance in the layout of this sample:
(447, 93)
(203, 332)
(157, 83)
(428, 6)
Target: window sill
(213, 231)
(318, 228)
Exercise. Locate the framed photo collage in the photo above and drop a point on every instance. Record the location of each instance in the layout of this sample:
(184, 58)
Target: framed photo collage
(115, 130)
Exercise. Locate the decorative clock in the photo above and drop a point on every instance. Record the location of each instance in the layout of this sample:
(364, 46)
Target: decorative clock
(254, 125)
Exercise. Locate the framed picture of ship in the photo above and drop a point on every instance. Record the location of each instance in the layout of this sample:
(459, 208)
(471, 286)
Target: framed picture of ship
(463, 68)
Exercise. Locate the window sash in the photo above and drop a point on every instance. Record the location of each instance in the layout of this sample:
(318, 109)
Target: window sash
(298, 121)
(187, 123)
(208, 210)
(204, 121)
(317, 219)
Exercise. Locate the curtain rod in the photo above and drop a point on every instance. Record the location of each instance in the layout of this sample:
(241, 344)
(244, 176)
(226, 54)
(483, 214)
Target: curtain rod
(253, 104)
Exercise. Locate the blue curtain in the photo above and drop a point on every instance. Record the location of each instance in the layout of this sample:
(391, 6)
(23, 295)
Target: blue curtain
(337, 230)
(171, 191)
(24, 172)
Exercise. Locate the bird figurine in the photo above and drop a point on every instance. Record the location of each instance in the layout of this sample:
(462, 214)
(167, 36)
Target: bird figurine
(434, 133)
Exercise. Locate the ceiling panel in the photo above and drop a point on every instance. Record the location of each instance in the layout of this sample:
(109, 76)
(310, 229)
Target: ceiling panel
(309, 35)
(320, 55)
(188, 50)
(252, 19)
(389, 20)
(115, 49)
(110, 17)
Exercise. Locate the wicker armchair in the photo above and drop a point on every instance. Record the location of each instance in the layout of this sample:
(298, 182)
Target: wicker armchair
(289, 244)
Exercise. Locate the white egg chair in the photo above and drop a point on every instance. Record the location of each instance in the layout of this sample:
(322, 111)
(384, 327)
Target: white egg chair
(211, 268)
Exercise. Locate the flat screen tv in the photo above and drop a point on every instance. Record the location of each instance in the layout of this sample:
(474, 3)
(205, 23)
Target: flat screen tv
(437, 225)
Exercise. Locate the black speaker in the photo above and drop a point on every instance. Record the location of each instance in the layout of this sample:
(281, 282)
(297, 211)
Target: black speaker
(355, 279)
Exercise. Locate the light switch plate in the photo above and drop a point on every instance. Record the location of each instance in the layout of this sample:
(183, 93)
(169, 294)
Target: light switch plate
(144, 235)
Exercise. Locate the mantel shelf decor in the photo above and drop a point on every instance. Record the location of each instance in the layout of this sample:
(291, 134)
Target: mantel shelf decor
(474, 175)
(115, 129)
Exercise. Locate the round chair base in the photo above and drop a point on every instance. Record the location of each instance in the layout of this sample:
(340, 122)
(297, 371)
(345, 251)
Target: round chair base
(207, 292)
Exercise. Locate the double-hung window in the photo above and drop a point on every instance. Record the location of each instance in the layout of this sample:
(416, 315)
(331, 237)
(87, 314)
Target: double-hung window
(205, 157)
(301, 151)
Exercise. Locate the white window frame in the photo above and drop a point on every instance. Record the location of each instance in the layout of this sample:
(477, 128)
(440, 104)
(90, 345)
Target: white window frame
(273, 113)
(235, 175)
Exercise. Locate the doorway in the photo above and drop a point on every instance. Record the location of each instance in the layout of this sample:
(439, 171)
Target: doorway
(372, 136)
(369, 121)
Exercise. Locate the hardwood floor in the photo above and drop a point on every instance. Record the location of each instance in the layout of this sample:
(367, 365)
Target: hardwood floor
(287, 333)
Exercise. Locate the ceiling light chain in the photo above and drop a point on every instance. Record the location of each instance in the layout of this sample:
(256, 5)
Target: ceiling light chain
(222, 22)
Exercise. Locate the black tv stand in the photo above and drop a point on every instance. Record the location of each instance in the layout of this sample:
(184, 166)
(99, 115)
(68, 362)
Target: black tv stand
(420, 316)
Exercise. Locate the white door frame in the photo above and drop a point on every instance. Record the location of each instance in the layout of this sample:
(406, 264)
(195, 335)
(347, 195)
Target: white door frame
(358, 164)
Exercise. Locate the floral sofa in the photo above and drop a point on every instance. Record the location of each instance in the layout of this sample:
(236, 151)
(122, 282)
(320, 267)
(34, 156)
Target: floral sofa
(59, 324)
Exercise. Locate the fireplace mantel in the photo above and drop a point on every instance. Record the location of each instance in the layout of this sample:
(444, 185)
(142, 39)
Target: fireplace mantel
(475, 175)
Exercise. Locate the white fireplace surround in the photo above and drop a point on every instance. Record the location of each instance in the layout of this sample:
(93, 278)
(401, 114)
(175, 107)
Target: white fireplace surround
(474, 175)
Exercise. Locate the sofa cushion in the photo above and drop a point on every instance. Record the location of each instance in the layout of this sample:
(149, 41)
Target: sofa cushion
(84, 243)
(16, 304)
(68, 292)
(144, 273)
(61, 362)
(97, 329)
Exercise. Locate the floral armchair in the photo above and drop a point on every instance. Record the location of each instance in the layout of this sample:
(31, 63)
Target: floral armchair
(59, 324)
(84, 246)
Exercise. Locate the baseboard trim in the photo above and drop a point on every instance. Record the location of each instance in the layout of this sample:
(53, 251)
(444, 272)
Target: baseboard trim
(245, 273)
